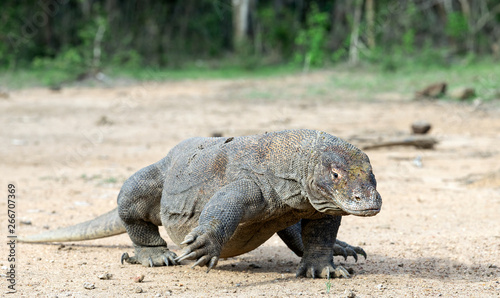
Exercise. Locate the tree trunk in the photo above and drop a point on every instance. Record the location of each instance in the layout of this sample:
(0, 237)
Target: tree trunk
(353, 48)
(242, 11)
(469, 42)
(339, 24)
(370, 24)
(86, 7)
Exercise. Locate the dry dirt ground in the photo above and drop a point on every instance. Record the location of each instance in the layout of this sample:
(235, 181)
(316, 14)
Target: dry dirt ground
(68, 152)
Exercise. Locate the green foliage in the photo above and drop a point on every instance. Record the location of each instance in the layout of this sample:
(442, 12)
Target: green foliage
(74, 60)
(339, 54)
(456, 25)
(368, 81)
(408, 45)
(312, 39)
(278, 31)
(404, 56)
(68, 58)
(60, 40)
(127, 59)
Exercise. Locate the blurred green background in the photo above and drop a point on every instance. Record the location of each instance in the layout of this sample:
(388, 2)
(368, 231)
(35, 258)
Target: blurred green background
(49, 42)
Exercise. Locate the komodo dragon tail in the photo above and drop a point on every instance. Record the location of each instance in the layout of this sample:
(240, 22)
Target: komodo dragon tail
(108, 224)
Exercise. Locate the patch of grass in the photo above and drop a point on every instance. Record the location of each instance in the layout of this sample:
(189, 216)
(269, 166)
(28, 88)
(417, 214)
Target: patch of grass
(109, 180)
(87, 178)
(364, 82)
(100, 179)
(317, 90)
(328, 285)
(256, 94)
(26, 78)
(368, 80)
(202, 72)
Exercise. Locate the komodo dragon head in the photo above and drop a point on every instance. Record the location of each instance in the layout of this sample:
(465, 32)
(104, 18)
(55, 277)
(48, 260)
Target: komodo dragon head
(342, 181)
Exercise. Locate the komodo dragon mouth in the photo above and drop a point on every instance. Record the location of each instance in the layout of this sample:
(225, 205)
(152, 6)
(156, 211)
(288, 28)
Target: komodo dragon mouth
(365, 212)
(331, 204)
(335, 210)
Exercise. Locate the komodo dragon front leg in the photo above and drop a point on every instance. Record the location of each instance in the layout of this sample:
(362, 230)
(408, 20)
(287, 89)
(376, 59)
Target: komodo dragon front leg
(319, 237)
(292, 236)
(236, 202)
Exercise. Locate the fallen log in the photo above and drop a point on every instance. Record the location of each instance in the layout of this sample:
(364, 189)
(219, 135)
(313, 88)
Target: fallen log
(420, 142)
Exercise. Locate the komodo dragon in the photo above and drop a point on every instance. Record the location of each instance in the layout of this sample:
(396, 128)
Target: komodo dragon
(222, 197)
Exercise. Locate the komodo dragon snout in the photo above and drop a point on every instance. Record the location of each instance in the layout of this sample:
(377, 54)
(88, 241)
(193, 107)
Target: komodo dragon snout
(343, 183)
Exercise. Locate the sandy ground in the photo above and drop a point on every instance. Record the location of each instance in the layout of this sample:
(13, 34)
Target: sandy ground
(68, 153)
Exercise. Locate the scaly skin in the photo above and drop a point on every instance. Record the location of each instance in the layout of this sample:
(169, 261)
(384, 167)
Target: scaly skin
(222, 197)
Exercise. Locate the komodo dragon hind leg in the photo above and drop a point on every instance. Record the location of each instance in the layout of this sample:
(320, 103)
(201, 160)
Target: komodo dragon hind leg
(139, 209)
(292, 236)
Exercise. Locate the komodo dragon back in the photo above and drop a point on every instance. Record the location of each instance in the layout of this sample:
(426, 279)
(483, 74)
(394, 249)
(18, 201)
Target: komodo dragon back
(106, 225)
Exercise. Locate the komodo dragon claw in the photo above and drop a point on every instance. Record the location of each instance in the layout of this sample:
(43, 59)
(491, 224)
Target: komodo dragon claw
(340, 251)
(186, 255)
(200, 248)
(125, 257)
(151, 257)
(327, 271)
(168, 261)
(188, 239)
(345, 250)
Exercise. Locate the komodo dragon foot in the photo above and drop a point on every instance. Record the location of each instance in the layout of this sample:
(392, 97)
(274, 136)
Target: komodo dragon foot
(320, 268)
(202, 247)
(344, 249)
(151, 256)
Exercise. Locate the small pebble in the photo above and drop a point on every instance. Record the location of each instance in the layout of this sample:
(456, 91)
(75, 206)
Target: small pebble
(349, 294)
(88, 285)
(138, 278)
(19, 142)
(105, 276)
(418, 162)
(64, 247)
(4, 95)
(420, 127)
(138, 290)
(81, 203)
